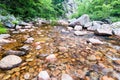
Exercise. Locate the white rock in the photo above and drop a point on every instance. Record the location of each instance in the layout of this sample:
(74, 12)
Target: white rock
(78, 28)
(70, 28)
(4, 36)
(10, 61)
(43, 75)
(116, 31)
(51, 58)
(27, 76)
(29, 40)
(95, 41)
(66, 77)
(80, 33)
(38, 47)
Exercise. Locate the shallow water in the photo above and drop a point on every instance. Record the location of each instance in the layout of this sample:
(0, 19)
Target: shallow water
(73, 60)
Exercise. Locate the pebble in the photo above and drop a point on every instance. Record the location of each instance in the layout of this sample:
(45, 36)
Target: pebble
(106, 78)
(66, 77)
(43, 75)
(51, 58)
(27, 76)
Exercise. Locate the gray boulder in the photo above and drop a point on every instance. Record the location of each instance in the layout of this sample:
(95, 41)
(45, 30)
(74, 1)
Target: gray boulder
(116, 31)
(10, 61)
(80, 21)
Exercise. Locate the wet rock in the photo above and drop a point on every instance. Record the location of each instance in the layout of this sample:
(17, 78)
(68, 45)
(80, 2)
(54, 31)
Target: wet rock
(106, 78)
(12, 52)
(2, 36)
(117, 61)
(43, 75)
(10, 61)
(78, 28)
(27, 76)
(80, 21)
(94, 41)
(29, 40)
(25, 48)
(103, 32)
(80, 33)
(51, 58)
(66, 77)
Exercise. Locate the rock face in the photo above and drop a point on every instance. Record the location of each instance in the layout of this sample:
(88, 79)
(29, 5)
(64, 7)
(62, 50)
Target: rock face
(66, 77)
(94, 41)
(10, 61)
(12, 52)
(80, 21)
(43, 75)
(80, 33)
(78, 28)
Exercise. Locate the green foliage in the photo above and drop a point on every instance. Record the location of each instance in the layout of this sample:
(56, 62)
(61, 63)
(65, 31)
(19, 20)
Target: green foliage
(99, 9)
(28, 9)
(2, 29)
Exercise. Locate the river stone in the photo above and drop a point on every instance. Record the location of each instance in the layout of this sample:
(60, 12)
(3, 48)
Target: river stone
(51, 58)
(12, 52)
(25, 48)
(62, 23)
(4, 41)
(117, 61)
(94, 26)
(4, 36)
(66, 77)
(94, 41)
(103, 32)
(43, 75)
(29, 40)
(78, 28)
(80, 33)
(10, 61)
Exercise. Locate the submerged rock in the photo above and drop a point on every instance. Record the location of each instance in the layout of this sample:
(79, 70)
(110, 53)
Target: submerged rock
(29, 40)
(10, 61)
(51, 58)
(94, 41)
(12, 52)
(66, 77)
(43, 75)
(80, 33)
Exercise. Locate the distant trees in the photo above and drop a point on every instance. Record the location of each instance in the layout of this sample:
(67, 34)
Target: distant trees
(33, 8)
(99, 9)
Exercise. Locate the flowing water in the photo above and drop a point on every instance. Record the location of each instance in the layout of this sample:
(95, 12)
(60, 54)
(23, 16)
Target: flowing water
(74, 55)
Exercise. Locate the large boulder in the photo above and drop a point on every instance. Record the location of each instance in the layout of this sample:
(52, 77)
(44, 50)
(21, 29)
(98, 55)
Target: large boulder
(116, 31)
(94, 26)
(80, 21)
(10, 61)
(115, 25)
